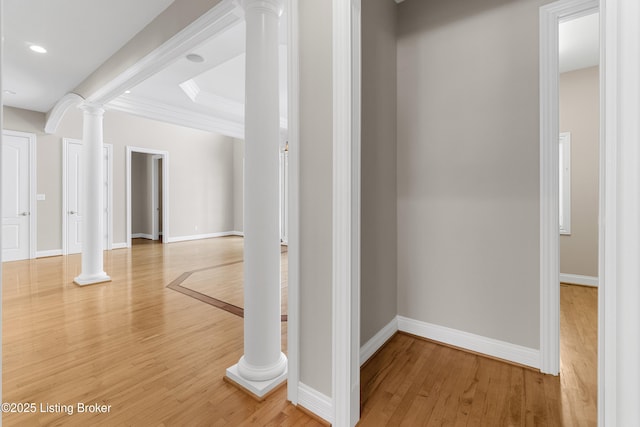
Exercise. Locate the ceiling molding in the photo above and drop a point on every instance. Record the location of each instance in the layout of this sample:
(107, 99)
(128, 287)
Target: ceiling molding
(55, 115)
(215, 21)
(177, 116)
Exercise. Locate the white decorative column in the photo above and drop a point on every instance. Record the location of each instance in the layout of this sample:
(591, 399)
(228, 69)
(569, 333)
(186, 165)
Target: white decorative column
(92, 197)
(263, 365)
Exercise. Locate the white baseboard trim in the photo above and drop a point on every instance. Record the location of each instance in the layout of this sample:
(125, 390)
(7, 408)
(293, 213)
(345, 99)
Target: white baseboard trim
(378, 340)
(119, 245)
(142, 236)
(201, 236)
(237, 233)
(478, 343)
(45, 254)
(316, 402)
(577, 279)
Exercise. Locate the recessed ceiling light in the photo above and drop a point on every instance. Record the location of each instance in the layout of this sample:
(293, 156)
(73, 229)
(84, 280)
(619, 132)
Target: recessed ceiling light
(37, 48)
(127, 91)
(8, 92)
(194, 57)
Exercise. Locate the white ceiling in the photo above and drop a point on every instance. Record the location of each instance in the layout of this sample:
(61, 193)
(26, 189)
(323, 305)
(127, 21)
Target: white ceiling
(79, 36)
(579, 43)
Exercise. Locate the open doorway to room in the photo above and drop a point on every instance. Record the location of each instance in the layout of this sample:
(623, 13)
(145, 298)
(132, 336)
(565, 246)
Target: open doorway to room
(570, 243)
(147, 188)
(579, 121)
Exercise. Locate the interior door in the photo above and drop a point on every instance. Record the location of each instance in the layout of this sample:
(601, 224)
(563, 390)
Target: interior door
(16, 196)
(73, 188)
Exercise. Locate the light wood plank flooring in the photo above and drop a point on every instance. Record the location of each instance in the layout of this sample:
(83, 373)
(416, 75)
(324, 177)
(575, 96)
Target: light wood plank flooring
(158, 356)
(155, 355)
(414, 382)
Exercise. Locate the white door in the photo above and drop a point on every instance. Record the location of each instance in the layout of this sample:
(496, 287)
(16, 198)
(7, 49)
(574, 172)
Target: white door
(72, 178)
(16, 196)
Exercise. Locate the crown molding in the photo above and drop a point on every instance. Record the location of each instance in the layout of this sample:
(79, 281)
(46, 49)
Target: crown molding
(178, 116)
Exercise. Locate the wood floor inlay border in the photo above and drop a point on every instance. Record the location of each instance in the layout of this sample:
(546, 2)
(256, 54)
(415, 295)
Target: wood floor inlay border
(176, 285)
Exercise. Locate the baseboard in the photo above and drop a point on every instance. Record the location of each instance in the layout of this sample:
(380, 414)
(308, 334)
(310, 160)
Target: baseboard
(477, 343)
(119, 245)
(237, 233)
(316, 402)
(378, 340)
(142, 236)
(202, 236)
(577, 279)
(45, 254)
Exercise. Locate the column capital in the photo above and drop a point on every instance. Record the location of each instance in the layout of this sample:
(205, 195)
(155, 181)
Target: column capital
(264, 6)
(92, 108)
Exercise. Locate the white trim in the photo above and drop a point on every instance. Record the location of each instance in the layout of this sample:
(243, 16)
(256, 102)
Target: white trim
(122, 245)
(142, 236)
(619, 294)
(346, 212)
(201, 236)
(56, 114)
(550, 16)
(33, 206)
(213, 22)
(165, 189)
(178, 116)
(293, 296)
(109, 208)
(316, 402)
(564, 171)
(378, 340)
(241, 234)
(49, 253)
(477, 343)
(155, 220)
(577, 279)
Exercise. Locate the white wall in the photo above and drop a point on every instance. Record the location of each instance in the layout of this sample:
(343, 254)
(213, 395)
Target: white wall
(468, 141)
(200, 172)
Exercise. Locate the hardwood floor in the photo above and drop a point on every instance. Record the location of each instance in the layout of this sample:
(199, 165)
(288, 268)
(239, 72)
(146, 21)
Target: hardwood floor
(156, 356)
(414, 382)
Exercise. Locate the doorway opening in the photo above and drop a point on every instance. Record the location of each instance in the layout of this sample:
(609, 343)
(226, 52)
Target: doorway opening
(147, 189)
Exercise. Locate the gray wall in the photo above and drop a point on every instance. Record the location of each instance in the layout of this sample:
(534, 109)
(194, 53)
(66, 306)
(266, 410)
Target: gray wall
(238, 184)
(468, 171)
(379, 220)
(579, 114)
(316, 171)
(200, 172)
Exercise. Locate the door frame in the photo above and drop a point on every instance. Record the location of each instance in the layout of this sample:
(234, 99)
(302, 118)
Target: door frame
(65, 195)
(550, 17)
(33, 207)
(165, 189)
(155, 221)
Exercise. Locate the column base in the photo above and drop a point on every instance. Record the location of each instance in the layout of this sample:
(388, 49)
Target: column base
(91, 279)
(257, 388)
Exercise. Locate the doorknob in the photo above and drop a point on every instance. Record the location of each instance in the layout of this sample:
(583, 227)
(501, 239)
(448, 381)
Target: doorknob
(25, 214)
(72, 212)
